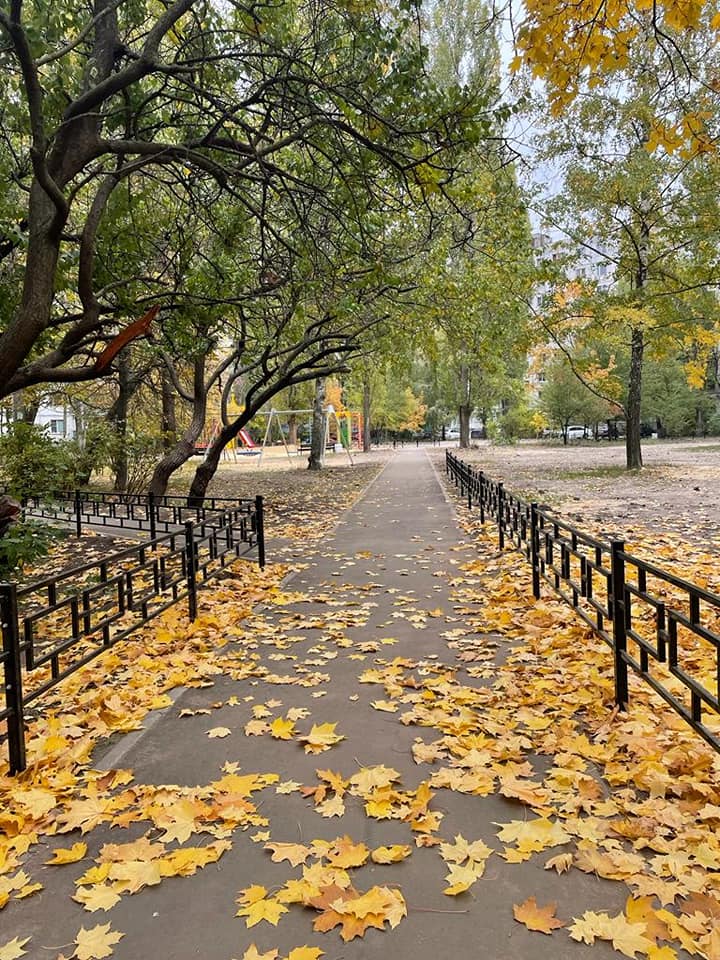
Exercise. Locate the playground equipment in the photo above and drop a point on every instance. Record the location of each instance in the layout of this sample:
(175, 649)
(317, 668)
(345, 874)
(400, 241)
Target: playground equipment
(243, 445)
(339, 433)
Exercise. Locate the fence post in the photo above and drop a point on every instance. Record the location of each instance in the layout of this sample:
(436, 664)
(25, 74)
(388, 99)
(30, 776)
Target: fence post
(78, 514)
(500, 516)
(470, 489)
(13, 677)
(191, 570)
(447, 462)
(535, 549)
(481, 496)
(617, 569)
(151, 515)
(260, 529)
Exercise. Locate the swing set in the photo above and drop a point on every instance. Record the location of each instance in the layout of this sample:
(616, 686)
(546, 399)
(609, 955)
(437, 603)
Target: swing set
(339, 431)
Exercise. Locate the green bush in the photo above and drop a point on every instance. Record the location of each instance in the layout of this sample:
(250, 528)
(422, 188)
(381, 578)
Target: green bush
(24, 542)
(32, 465)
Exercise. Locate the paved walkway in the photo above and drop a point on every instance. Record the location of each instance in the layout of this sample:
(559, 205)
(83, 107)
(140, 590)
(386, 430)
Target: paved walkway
(382, 576)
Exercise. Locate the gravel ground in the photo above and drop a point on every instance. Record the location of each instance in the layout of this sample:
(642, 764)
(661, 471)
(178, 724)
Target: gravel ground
(677, 491)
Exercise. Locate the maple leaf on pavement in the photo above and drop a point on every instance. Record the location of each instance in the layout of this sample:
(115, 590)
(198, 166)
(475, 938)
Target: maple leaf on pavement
(219, 732)
(393, 854)
(294, 853)
(252, 953)
(626, 937)
(322, 736)
(13, 949)
(345, 853)
(99, 897)
(461, 878)
(305, 953)
(64, 855)
(255, 907)
(462, 850)
(97, 943)
(282, 729)
(542, 919)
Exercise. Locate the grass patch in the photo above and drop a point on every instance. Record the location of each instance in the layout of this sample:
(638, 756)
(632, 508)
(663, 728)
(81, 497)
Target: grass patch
(603, 473)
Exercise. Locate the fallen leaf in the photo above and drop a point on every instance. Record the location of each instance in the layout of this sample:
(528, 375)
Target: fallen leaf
(97, 943)
(542, 919)
(68, 855)
(219, 732)
(393, 854)
(14, 949)
(294, 853)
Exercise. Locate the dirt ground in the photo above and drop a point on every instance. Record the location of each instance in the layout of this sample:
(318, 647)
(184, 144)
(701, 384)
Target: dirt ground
(677, 491)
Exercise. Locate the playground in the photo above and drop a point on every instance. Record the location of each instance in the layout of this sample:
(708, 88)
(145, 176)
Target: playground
(289, 430)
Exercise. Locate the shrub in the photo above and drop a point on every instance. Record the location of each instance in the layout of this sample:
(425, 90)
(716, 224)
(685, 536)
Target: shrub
(32, 464)
(24, 542)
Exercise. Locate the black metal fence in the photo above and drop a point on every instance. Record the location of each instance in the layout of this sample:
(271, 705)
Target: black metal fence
(54, 626)
(665, 628)
(124, 511)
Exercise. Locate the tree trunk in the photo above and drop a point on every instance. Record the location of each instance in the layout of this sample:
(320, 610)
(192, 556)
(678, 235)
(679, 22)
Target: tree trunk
(465, 408)
(292, 438)
(120, 415)
(366, 417)
(316, 460)
(464, 418)
(633, 450)
(700, 428)
(169, 416)
(183, 449)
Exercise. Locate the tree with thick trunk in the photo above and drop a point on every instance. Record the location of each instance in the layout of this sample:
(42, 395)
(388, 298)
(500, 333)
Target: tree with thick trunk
(196, 105)
(316, 460)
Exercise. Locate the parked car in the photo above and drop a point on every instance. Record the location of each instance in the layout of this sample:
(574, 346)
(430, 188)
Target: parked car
(576, 432)
(452, 434)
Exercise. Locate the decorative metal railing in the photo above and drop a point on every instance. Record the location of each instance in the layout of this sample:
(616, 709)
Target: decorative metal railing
(52, 627)
(666, 629)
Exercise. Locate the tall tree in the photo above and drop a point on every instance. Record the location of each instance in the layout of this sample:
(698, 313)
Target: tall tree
(651, 219)
(206, 100)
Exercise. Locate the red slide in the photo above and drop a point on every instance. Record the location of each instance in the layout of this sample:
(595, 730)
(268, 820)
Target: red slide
(246, 439)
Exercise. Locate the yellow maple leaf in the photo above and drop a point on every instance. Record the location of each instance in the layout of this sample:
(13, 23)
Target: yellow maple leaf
(462, 878)
(68, 855)
(393, 854)
(334, 807)
(477, 851)
(256, 907)
(305, 953)
(13, 949)
(97, 943)
(252, 953)
(294, 853)
(628, 938)
(344, 852)
(538, 918)
(131, 876)
(99, 897)
(533, 835)
(388, 706)
(219, 732)
(322, 736)
(282, 729)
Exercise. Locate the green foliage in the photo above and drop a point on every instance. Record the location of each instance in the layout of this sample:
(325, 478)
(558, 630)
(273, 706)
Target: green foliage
(566, 400)
(32, 464)
(682, 410)
(24, 542)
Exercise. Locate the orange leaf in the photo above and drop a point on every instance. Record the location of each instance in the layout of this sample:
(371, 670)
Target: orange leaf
(538, 918)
